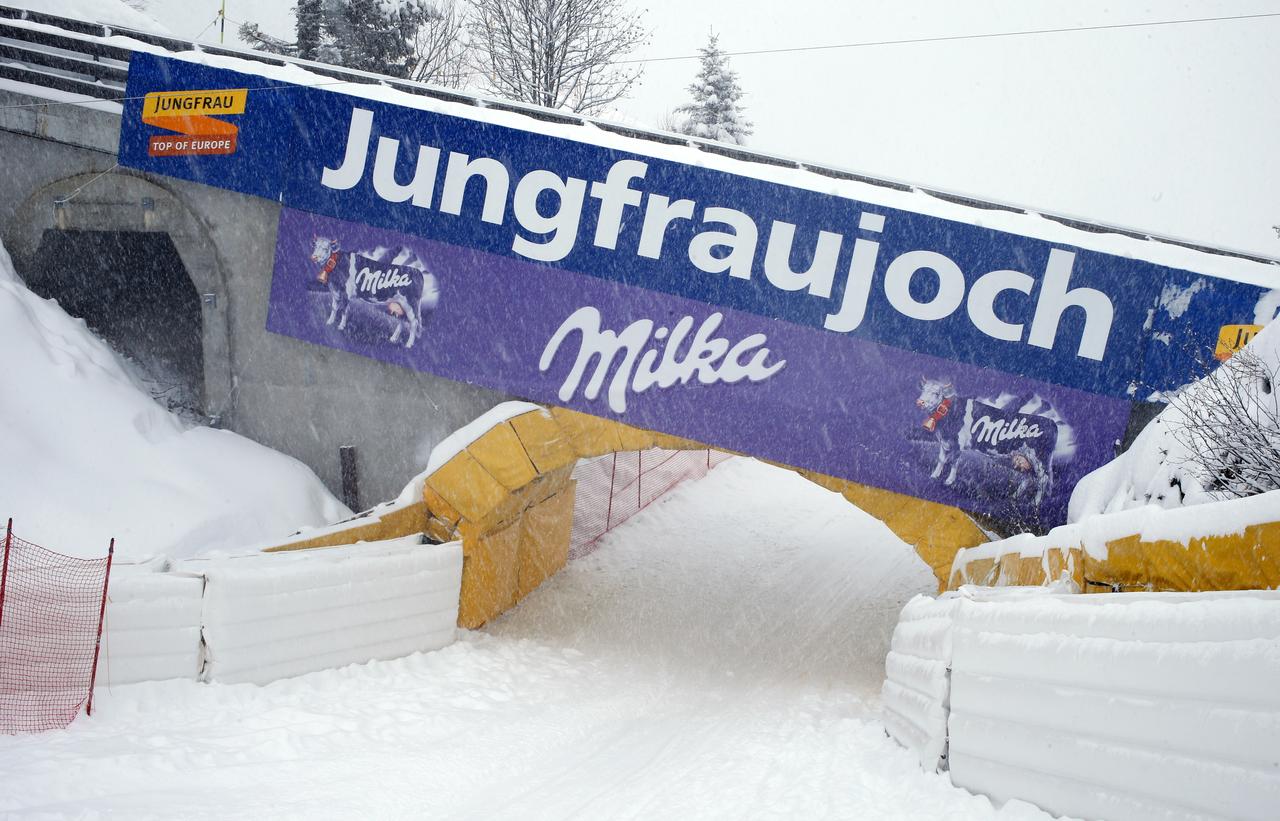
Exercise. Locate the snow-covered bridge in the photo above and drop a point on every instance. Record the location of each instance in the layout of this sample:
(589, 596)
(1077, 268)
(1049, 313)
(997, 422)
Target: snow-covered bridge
(202, 257)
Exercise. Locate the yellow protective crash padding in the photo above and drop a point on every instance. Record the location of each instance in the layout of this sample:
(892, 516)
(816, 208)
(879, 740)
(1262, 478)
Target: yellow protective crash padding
(403, 521)
(1249, 560)
(467, 486)
(1018, 570)
(630, 438)
(438, 507)
(1065, 563)
(438, 530)
(511, 472)
(588, 435)
(544, 539)
(500, 452)
(669, 442)
(982, 572)
(513, 506)
(490, 576)
(546, 443)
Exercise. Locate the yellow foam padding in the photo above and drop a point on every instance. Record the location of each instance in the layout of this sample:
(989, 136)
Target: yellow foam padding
(983, 572)
(522, 462)
(438, 530)
(669, 442)
(630, 438)
(490, 576)
(588, 435)
(404, 521)
(1249, 560)
(438, 507)
(544, 539)
(516, 502)
(546, 443)
(467, 486)
(500, 452)
(1024, 570)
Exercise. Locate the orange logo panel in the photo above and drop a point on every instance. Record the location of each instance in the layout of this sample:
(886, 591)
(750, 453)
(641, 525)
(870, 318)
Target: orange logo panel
(192, 116)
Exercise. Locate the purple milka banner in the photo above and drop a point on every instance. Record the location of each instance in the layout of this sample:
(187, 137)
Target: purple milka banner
(979, 439)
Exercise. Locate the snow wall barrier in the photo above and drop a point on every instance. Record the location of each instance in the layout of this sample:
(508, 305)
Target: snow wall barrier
(258, 618)
(152, 627)
(499, 484)
(917, 684)
(268, 617)
(1118, 706)
(1227, 545)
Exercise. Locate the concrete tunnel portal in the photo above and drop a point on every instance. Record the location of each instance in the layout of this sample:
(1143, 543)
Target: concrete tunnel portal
(133, 290)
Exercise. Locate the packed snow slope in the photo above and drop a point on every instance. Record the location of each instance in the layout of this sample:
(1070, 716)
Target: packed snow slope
(90, 456)
(718, 656)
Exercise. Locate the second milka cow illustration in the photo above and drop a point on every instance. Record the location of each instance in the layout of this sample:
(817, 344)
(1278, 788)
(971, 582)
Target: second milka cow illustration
(1023, 442)
(406, 293)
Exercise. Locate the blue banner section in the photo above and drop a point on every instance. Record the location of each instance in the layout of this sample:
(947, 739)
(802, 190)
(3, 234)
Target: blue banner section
(1186, 322)
(925, 426)
(266, 135)
(1054, 313)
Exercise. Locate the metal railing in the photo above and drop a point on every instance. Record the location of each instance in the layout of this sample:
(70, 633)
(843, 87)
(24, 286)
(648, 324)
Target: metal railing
(92, 59)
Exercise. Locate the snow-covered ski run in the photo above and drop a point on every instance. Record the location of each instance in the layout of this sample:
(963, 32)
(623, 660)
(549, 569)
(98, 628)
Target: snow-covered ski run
(718, 656)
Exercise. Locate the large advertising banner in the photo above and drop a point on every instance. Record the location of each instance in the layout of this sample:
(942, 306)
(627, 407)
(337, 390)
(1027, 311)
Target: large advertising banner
(927, 356)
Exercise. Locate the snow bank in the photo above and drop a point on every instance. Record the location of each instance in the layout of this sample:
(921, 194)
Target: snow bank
(1119, 706)
(277, 615)
(152, 627)
(1158, 469)
(90, 456)
(108, 12)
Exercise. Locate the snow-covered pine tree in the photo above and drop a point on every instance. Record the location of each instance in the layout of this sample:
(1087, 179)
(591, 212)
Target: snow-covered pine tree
(309, 25)
(365, 37)
(716, 110)
(418, 39)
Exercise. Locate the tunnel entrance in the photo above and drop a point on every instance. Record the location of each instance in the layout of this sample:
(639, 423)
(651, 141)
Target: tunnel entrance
(134, 292)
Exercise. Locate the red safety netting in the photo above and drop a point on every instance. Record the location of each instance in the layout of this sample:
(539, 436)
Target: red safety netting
(51, 609)
(614, 487)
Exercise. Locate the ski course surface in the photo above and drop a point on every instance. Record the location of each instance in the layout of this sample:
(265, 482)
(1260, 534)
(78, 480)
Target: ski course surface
(718, 656)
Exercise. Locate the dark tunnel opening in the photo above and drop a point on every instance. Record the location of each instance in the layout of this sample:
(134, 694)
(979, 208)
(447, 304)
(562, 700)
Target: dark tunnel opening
(132, 289)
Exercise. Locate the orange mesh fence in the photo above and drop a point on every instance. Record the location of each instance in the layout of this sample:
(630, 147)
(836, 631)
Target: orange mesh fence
(614, 487)
(51, 609)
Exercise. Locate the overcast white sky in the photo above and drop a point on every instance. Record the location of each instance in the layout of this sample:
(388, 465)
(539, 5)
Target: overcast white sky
(1171, 129)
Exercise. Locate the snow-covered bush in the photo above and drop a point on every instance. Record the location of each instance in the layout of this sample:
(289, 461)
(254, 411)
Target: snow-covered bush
(1218, 439)
(1229, 427)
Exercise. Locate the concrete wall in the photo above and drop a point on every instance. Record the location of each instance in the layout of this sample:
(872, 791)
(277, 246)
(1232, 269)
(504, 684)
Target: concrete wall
(301, 399)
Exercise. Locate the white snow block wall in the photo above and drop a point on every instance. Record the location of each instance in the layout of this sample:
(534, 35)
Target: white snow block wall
(276, 615)
(151, 629)
(1124, 706)
(917, 686)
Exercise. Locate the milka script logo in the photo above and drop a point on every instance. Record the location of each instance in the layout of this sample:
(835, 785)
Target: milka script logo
(710, 359)
(993, 431)
(370, 281)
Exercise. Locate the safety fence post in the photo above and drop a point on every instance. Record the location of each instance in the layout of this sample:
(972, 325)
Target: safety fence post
(613, 475)
(4, 571)
(97, 642)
